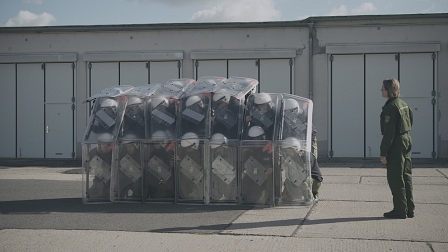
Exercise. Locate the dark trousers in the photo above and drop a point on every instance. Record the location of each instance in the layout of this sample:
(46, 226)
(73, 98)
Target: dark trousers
(399, 173)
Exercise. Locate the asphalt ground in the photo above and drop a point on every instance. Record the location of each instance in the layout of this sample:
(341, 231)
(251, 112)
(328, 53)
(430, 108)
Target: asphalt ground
(41, 210)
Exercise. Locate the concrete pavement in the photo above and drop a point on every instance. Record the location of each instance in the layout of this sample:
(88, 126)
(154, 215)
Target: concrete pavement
(348, 217)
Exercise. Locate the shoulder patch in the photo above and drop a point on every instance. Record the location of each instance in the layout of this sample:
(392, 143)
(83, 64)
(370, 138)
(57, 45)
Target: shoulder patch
(386, 119)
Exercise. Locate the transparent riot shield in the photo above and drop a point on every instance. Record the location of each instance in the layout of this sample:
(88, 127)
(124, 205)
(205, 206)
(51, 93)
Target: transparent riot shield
(133, 120)
(239, 87)
(296, 118)
(293, 184)
(192, 170)
(99, 142)
(226, 115)
(161, 116)
(224, 174)
(162, 107)
(96, 175)
(192, 116)
(159, 169)
(127, 172)
(205, 85)
(257, 178)
(261, 110)
(106, 116)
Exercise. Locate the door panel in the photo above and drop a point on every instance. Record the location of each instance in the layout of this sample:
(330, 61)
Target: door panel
(416, 86)
(211, 68)
(133, 73)
(275, 76)
(59, 127)
(422, 128)
(161, 72)
(8, 111)
(378, 68)
(347, 106)
(59, 130)
(30, 111)
(416, 75)
(103, 75)
(243, 68)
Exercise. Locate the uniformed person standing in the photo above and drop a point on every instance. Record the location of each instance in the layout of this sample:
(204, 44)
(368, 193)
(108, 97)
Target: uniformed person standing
(396, 122)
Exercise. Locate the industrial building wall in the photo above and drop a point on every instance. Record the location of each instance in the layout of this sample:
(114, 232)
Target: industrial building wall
(356, 56)
(278, 56)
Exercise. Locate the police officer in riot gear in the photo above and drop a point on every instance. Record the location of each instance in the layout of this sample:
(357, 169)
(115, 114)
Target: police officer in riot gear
(295, 121)
(262, 114)
(191, 166)
(294, 169)
(163, 115)
(160, 177)
(224, 116)
(99, 161)
(129, 168)
(258, 168)
(133, 121)
(193, 115)
(224, 173)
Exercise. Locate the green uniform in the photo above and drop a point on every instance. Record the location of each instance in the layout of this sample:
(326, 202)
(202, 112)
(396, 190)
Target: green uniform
(396, 122)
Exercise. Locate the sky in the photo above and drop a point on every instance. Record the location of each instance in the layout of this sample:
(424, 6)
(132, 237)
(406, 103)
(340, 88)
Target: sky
(15, 13)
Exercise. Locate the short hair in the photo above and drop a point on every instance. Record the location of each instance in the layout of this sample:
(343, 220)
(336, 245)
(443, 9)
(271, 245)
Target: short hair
(392, 87)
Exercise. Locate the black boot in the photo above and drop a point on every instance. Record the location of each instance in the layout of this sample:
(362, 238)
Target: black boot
(394, 215)
(410, 214)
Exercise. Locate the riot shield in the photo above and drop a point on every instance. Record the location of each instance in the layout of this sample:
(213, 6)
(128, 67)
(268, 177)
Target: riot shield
(296, 118)
(193, 115)
(226, 115)
(205, 85)
(257, 160)
(127, 172)
(294, 173)
(224, 173)
(192, 171)
(262, 110)
(96, 172)
(159, 169)
(106, 116)
(161, 115)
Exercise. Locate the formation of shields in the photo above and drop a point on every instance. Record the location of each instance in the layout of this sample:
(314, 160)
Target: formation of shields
(214, 140)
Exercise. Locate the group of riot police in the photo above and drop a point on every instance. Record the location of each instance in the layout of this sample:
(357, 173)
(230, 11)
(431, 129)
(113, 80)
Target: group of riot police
(213, 140)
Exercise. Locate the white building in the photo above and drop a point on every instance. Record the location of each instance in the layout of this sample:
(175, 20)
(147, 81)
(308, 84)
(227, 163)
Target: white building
(46, 74)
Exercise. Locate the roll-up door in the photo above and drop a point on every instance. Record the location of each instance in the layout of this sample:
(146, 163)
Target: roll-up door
(30, 110)
(378, 68)
(8, 111)
(417, 85)
(347, 106)
(275, 76)
(134, 73)
(59, 113)
(162, 71)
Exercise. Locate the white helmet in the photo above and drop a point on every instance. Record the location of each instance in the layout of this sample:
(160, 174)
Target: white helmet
(192, 100)
(291, 104)
(105, 138)
(156, 101)
(134, 100)
(291, 142)
(262, 98)
(160, 135)
(107, 103)
(221, 97)
(190, 139)
(217, 140)
(255, 131)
